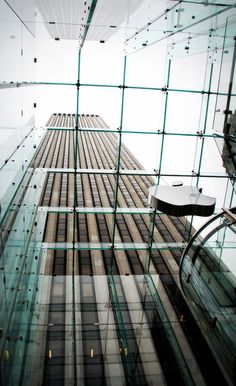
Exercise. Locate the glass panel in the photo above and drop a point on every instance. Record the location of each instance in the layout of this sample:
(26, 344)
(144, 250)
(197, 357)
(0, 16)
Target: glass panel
(11, 44)
(52, 65)
(97, 60)
(29, 51)
(214, 187)
(181, 161)
(11, 133)
(221, 77)
(183, 113)
(108, 246)
(95, 210)
(209, 113)
(176, 18)
(206, 280)
(193, 67)
(14, 169)
(149, 104)
(102, 101)
(214, 162)
(64, 102)
(150, 64)
(137, 144)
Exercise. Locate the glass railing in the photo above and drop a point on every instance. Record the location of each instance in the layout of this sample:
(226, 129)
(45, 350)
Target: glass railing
(208, 280)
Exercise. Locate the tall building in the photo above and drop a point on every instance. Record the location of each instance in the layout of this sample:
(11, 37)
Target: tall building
(94, 304)
(97, 287)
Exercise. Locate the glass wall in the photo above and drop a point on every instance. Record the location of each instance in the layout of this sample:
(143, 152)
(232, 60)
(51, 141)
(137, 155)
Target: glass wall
(138, 100)
(207, 276)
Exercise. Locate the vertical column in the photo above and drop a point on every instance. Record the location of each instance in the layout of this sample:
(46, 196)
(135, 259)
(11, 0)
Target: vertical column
(153, 214)
(74, 298)
(165, 89)
(200, 139)
(118, 160)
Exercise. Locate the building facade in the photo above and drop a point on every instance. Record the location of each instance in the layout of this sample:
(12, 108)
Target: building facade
(96, 298)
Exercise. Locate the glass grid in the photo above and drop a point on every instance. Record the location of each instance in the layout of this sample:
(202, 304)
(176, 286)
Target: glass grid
(211, 99)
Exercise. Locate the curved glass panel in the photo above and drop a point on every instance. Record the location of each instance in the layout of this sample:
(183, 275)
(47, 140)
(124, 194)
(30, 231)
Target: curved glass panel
(208, 279)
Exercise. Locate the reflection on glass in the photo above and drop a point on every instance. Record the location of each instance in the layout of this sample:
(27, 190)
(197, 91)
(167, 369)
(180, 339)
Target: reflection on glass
(207, 276)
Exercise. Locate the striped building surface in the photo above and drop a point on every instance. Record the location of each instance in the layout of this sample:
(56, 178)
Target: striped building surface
(107, 306)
